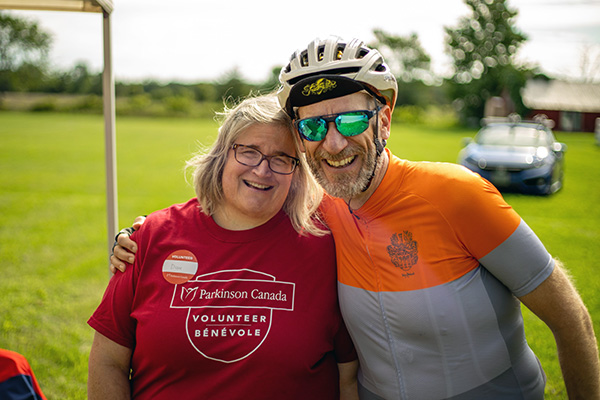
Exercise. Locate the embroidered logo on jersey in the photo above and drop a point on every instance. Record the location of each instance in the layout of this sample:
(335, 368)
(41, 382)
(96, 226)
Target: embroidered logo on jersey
(230, 312)
(403, 251)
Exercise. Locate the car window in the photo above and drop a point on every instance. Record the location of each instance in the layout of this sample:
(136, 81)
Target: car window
(507, 135)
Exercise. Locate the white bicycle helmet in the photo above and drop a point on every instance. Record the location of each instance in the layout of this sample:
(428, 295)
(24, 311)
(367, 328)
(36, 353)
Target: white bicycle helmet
(333, 68)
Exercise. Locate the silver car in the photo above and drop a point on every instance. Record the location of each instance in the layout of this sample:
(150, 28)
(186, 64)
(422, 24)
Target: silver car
(521, 156)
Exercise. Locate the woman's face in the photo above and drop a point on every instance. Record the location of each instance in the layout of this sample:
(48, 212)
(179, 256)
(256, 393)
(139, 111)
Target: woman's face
(253, 195)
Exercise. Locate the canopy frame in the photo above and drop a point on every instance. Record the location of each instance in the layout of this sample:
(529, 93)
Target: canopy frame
(108, 95)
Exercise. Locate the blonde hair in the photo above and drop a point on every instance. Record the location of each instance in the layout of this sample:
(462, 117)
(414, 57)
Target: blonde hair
(305, 194)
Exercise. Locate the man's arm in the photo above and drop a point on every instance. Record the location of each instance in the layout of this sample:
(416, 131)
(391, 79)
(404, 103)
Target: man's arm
(108, 371)
(557, 303)
(348, 383)
(125, 248)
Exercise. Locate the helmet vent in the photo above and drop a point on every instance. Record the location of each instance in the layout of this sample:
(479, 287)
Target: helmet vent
(379, 66)
(321, 53)
(304, 59)
(339, 51)
(363, 52)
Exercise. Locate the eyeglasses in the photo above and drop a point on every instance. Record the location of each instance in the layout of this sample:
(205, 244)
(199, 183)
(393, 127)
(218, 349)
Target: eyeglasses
(349, 123)
(251, 157)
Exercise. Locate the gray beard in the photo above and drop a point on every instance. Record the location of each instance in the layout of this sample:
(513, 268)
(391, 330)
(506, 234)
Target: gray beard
(345, 186)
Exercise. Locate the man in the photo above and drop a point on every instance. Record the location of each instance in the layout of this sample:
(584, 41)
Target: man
(432, 262)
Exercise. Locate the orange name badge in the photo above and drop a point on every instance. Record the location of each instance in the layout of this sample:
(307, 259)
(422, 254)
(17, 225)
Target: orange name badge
(180, 266)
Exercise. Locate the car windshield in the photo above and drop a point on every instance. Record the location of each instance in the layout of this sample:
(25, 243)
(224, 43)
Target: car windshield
(507, 135)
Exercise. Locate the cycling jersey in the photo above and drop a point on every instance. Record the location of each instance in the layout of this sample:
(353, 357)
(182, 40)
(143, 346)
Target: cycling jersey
(428, 271)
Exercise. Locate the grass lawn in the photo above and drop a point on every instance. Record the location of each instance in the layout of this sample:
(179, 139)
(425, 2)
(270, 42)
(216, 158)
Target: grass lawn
(53, 224)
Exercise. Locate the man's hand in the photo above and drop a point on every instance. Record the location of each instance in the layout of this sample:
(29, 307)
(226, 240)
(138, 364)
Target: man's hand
(125, 248)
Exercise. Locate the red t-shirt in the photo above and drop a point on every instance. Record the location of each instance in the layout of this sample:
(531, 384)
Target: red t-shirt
(212, 313)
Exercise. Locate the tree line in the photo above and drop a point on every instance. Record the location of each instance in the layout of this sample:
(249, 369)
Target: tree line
(482, 46)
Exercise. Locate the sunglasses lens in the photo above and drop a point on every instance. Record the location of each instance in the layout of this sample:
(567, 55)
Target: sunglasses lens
(353, 123)
(348, 124)
(313, 129)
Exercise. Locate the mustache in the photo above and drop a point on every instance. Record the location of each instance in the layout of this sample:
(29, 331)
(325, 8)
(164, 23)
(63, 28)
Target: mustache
(345, 153)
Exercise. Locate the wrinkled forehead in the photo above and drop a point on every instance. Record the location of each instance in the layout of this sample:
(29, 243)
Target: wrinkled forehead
(269, 138)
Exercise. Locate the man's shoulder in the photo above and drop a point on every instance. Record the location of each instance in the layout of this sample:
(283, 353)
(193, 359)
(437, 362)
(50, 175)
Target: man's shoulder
(432, 176)
(440, 169)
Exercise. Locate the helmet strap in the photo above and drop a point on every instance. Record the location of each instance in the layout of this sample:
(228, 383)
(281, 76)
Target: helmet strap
(379, 146)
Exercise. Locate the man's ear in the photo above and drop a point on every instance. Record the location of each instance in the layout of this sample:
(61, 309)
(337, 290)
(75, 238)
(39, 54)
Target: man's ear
(299, 138)
(302, 148)
(385, 122)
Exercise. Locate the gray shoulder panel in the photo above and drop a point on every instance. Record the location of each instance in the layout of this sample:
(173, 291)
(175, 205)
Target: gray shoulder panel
(521, 262)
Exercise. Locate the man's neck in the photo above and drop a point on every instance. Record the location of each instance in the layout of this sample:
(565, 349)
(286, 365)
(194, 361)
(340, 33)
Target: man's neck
(359, 200)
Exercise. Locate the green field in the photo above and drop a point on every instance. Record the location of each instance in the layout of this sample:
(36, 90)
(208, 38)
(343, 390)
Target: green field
(53, 260)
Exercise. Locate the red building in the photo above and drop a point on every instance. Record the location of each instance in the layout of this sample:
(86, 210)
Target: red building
(573, 107)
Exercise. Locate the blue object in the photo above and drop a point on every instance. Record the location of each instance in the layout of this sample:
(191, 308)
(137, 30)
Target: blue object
(516, 156)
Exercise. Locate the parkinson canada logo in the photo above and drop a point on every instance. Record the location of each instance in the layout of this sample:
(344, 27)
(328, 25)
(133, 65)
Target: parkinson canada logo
(403, 251)
(230, 312)
(319, 87)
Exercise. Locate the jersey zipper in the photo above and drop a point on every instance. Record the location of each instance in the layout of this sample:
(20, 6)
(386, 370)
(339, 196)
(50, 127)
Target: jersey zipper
(388, 334)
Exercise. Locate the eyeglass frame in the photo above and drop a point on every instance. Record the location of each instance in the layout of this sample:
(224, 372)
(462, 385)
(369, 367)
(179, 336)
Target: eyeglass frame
(295, 161)
(331, 118)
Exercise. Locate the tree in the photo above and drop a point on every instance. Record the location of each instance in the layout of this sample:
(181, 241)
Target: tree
(411, 65)
(405, 56)
(482, 48)
(27, 77)
(232, 86)
(272, 82)
(590, 63)
(78, 80)
(22, 42)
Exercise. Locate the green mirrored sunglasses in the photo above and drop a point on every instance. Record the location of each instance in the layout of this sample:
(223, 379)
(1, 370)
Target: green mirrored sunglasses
(350, 123)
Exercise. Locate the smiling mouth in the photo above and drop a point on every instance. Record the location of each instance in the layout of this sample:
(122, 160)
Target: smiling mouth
(340, 163)
(258, 186)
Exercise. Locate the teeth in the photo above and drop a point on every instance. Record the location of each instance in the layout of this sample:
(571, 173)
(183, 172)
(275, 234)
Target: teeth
(257, 185)
(340, 163)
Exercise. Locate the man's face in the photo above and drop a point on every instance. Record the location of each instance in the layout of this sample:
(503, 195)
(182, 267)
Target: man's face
(342, 165)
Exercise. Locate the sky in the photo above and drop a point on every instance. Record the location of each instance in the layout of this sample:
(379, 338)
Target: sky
(192, 41)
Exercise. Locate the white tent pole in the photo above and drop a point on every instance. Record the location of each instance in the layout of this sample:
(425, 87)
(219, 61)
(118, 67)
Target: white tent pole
(109, 135)
(108, 88)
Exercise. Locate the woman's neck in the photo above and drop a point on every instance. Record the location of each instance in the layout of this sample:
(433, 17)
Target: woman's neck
(237, 222)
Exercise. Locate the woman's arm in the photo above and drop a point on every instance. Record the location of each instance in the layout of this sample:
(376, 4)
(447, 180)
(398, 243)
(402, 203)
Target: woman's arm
(108, 373)
(348, 383)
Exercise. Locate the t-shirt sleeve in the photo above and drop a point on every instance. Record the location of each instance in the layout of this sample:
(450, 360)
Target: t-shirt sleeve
(343, 346)
(112, 318)
(493, 232)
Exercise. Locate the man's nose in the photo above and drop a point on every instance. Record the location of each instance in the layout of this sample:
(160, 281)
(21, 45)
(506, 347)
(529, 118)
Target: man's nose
(334, 141)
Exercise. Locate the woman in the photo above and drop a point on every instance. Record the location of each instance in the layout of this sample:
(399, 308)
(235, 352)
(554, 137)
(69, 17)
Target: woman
(230, 295)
